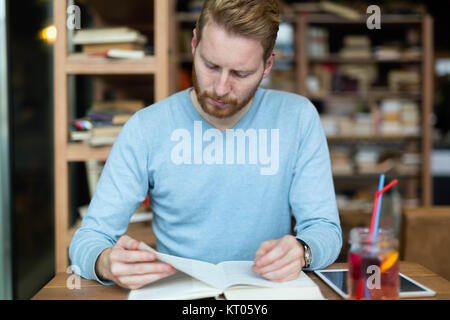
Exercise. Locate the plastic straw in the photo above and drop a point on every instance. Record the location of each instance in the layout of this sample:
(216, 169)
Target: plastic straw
(377, 219)
(375, 205)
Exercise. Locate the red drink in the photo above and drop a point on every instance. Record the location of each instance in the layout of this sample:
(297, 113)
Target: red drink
(373, 266)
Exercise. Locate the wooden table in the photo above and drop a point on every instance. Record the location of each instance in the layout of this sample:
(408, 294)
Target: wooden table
(57, 289)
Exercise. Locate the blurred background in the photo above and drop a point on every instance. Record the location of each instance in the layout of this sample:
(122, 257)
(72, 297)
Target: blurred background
(72, 72)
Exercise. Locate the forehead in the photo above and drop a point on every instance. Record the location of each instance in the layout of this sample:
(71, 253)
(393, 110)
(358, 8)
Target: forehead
(228, 50)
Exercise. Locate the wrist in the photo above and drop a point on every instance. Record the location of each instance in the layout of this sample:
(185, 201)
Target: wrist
(102, 265)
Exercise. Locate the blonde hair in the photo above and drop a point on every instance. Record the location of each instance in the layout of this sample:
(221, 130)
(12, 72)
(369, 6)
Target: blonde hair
(255, 19)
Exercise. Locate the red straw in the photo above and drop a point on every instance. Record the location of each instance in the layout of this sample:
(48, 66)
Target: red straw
(375, 204)
(359, 291)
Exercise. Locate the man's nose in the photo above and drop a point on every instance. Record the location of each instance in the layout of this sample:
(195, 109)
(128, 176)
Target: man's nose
(222, 86)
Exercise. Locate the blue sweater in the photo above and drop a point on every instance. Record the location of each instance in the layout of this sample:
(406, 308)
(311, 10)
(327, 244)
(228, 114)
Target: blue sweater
(217, 196)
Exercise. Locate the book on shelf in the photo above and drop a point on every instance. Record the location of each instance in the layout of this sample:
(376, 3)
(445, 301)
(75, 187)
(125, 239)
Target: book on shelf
(104, 121)
(341, 161)
(197, 279)
(317, 42)
(340, 10)
(120, 54)
(356, 47)
(108, 36)
(104, 135)
(125, 105)
(328, 7)
(103, 47)
(113, 117)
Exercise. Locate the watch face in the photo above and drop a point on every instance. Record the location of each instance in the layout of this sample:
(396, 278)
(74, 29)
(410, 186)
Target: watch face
(308, 257)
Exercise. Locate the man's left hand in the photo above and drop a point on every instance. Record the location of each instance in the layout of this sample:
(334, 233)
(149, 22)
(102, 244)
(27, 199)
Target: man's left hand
(279, 260)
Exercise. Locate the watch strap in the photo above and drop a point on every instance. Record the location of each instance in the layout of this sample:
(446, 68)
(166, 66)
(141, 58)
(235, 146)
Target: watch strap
(306, 252)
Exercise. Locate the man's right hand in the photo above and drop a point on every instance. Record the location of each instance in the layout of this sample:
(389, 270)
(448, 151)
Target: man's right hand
(129, 267)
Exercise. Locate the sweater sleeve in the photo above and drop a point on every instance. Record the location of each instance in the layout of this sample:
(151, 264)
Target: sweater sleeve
(123, 185)
(312, 197)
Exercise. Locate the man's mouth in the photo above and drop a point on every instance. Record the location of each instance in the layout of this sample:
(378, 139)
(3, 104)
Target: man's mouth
(217, 103)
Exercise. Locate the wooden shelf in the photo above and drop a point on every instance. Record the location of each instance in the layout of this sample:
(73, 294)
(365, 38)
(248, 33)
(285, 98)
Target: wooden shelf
(371, 95)
(392, 19)
(335, 58)
(373, 139)
(81, 64)
(373, 176)
(83, 152)
(191, 17)
(156, 16)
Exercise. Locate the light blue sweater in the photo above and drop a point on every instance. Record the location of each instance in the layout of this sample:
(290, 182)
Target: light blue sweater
(216, 195)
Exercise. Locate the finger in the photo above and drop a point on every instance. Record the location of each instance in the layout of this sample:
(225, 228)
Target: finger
(127, 256)
(126, 269)
(265, 247)
(285, 273)
(137, 281)
(277, 252)
(128, 243)
(289, 257)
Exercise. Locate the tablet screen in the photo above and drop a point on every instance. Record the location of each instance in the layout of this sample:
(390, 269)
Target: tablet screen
(337, 279)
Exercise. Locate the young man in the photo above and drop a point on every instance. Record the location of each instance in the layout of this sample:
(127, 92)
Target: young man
(224, 163)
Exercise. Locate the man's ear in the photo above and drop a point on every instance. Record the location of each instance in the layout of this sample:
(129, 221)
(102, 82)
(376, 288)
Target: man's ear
(194, 41)
(269, 64)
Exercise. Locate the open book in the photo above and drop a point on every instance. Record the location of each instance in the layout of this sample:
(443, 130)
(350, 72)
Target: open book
(198, 279)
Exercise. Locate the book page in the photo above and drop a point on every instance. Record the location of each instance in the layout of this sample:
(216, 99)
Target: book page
(240, 273)
(204, 271)
(176, 287)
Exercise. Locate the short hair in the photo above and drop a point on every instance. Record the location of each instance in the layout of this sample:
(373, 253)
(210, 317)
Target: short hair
(255, 19)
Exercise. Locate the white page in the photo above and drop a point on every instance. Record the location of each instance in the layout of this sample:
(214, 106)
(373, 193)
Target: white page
(204, 271)
(177, 286)
(239, 272)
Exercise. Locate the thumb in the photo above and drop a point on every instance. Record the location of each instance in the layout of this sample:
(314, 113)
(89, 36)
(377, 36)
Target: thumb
(128, 243)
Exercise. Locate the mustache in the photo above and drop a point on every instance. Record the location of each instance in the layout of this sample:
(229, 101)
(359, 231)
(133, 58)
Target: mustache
(212, 95)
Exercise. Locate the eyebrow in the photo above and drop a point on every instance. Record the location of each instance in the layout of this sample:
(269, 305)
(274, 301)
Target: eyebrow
(249, 72)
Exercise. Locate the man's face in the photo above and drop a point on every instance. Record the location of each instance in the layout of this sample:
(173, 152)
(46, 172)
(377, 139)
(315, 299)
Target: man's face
(227, 70)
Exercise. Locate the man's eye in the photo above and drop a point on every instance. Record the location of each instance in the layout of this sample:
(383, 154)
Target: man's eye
(241, 75)
(211, 67)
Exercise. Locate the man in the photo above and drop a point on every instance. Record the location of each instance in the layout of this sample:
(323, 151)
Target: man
(224, 163)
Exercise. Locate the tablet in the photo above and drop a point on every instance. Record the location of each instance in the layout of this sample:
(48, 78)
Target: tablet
(337, 280)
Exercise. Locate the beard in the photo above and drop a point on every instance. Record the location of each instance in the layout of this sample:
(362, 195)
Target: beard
(231, 107)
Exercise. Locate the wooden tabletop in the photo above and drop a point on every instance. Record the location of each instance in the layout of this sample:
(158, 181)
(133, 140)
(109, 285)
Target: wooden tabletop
(57, 288)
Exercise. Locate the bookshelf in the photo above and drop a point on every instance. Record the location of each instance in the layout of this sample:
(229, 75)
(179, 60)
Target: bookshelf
(416, 186)
(68, 63)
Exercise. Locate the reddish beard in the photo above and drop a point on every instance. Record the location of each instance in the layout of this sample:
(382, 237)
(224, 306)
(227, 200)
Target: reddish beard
(232, 106)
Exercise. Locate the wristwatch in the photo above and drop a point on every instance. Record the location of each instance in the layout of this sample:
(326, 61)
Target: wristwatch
(307, 253)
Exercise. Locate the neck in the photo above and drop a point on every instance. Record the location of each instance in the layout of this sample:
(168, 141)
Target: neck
(218, 123)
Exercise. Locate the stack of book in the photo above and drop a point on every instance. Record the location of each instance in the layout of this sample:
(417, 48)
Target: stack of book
(104, 121)
(116, 42)
(391, 124)
(341, 161)
(409, 163)
(410, 118)
(356, 47)
(317, 42)
(404, 80)
(367, 159)
(387, 52)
